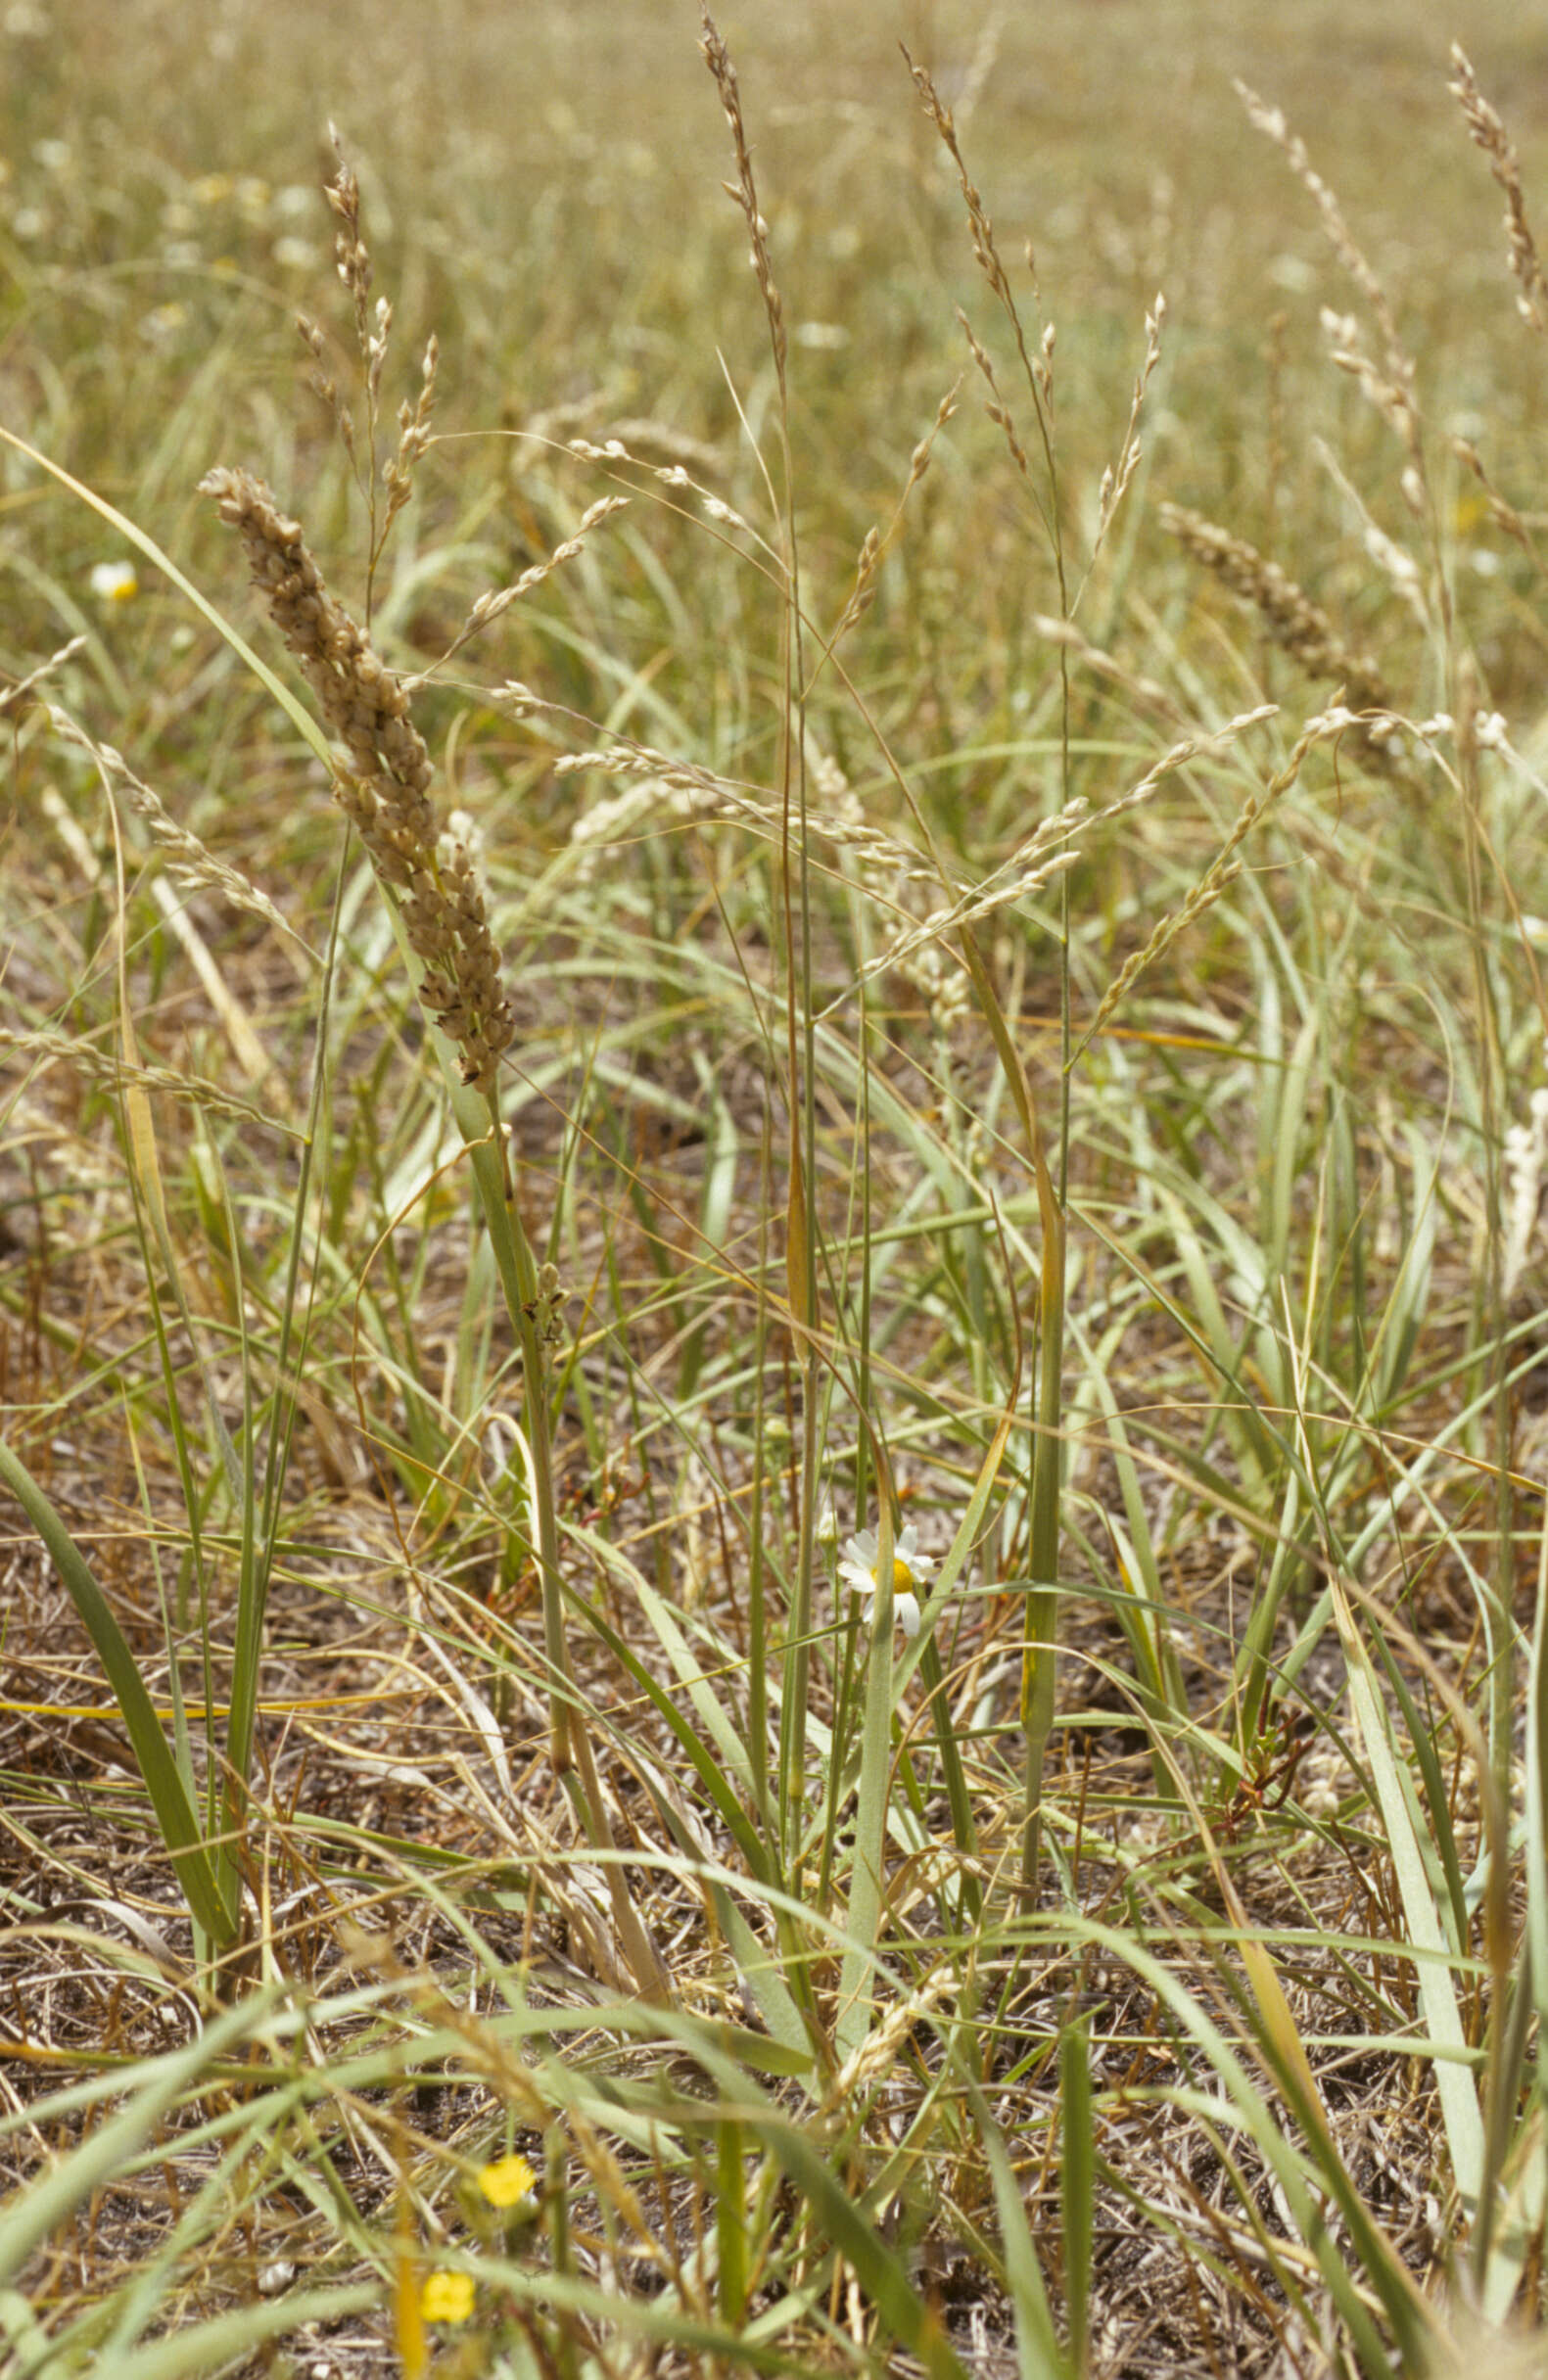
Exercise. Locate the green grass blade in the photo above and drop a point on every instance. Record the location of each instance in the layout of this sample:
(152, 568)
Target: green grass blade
(158, 1762)
(1077, 2187)
(202, 2349)
(731, 2224)
(1037, 2341)
(880, 2272)
(30, 2219)
(1459, 2098)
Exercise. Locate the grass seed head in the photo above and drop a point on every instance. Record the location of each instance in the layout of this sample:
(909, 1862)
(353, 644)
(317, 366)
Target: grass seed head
(1485, 127)
(385, 789)
(1299, 627)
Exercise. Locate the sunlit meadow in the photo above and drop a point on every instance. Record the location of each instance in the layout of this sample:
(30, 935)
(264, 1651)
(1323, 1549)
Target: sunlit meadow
(771, 1305)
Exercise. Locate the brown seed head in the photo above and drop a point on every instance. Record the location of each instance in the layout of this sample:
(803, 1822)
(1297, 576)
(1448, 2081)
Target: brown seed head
(384, 791)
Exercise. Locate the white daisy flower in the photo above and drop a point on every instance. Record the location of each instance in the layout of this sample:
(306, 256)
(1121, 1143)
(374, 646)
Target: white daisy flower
(911, 1569)
(115, 582)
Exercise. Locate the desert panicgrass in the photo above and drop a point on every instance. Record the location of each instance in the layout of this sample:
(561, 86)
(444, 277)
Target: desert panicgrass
(493, 604)
(170, 899)
(1502, 512)
(1118, 476)
(1036, 356)
(684, 789)
(876, 542)
(1044, 1488)
(986, 253)
(1237, 1419)
(637, 437)
(1147, 694)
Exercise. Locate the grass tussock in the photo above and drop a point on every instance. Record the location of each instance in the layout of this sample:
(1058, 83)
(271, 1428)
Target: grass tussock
(770, 1285)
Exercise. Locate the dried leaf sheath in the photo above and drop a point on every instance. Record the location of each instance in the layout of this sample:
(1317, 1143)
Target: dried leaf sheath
(385, 789)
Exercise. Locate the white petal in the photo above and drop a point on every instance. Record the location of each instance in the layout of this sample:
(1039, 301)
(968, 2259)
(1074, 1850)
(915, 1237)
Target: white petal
(905, 1611)
(920, 1565)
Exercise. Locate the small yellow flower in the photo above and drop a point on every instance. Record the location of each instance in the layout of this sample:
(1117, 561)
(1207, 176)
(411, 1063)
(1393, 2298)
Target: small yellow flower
(446, 2296)
(508, 2182)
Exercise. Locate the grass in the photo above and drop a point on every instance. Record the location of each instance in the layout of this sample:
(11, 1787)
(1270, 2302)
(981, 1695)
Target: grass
(770, 1289)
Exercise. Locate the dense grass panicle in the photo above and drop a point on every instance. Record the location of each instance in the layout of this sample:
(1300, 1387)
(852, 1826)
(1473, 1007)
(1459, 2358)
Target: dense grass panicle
(771, 1303)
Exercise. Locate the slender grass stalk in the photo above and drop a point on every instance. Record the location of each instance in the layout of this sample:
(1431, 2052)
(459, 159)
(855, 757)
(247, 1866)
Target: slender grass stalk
(768, 1797)
(1045, 1486)
(794, 897)
(1499, 1587)
(1077, 2188)
(868, 1889)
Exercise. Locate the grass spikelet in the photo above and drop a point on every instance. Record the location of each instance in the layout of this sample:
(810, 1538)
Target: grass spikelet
(1298, 625)
(744, 190)
(16, 696)
(497, 601)
(1225, 867)
(352, 258)
(980, 225)
(1486, 126)
(189, 862)
(385, 790)
(1502, 512)
(115, 1072)
(1401, 375)
(413, 437)
(1115, 480)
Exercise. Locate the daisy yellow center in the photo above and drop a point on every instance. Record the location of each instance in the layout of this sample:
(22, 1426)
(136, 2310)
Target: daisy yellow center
(902, 1575)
